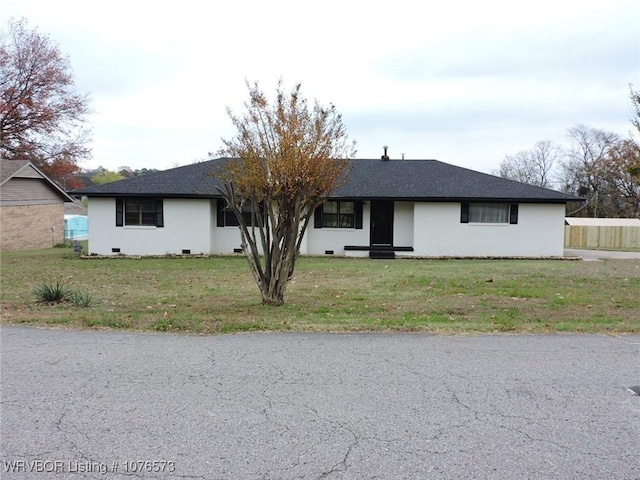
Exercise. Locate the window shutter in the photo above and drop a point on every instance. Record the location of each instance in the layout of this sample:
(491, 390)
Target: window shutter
(220, 213)
(359, 215)
(464, 212)
(513, 214)
(317, 217)
(119, 212)
(159, 213)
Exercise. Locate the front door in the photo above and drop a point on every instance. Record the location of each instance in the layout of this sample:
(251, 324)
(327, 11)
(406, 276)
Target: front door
(381, 222)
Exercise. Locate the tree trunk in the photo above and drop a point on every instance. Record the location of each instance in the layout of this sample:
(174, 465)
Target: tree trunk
(273, 299)
(280, 261)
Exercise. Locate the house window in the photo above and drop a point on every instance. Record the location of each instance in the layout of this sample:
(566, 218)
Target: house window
(338, 214)
(489, 213)
(139, 211)
(226, 217)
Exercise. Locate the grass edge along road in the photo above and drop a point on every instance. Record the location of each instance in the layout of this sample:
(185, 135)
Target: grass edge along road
(217, 295)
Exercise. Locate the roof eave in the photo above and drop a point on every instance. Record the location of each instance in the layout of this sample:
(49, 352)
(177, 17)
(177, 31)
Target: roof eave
(461, 199)
(347, 197)
(146, 195)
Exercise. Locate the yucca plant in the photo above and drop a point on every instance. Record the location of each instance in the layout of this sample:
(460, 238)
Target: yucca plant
(52, 293)
(81, 299)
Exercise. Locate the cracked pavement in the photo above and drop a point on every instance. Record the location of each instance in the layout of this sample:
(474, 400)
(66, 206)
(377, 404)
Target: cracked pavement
(318, 406)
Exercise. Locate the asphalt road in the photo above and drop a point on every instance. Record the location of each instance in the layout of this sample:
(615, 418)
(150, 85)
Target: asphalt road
(92, 404)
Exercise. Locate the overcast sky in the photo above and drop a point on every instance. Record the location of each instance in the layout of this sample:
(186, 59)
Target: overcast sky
(464, 82)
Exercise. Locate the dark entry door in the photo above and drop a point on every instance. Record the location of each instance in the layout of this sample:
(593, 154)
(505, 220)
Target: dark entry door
(381, 222)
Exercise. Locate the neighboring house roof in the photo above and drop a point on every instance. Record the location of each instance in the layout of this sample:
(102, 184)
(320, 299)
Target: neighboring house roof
(427, 180)
(25, 169)
(8, 168)
(602, 222)
(75, 208)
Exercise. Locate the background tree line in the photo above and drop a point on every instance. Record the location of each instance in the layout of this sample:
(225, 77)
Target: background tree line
(600, 166)
(99, 176)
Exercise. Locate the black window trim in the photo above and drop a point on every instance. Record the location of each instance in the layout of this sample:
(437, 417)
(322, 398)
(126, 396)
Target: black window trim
(226, 218)
(318, 215)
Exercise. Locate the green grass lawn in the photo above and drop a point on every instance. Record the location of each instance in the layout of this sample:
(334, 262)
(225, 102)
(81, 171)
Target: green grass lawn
(217, 294)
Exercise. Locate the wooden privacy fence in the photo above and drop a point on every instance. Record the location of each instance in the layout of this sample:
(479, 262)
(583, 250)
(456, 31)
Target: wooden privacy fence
(602, 237)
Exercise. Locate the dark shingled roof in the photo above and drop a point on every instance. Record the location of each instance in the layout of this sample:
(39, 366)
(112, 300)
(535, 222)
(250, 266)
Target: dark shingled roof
(189, 181)
(434, 180)
(427, 180)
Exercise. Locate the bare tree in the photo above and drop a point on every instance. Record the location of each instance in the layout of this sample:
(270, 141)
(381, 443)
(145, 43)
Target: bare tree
(579, 169)
(634, 170)
(41, 115)
(533, 166)
(284, 162)
(597, 165)
(635, 103)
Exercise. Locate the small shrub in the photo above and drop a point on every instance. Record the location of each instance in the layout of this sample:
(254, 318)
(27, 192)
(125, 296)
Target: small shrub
(59, 292)
(81, 299)
(52, 293)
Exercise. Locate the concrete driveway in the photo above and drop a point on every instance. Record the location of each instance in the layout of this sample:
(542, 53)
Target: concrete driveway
(92, 404)
(594, 255)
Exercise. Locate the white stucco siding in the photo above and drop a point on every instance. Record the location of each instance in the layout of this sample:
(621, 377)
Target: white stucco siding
(403, 224)
(319, 240)
(225, 240)
(304, 247)
(186, 227)
(438, 232)
(432, 229)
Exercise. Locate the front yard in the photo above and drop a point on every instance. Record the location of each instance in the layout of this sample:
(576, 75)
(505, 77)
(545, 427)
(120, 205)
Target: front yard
(217, 295)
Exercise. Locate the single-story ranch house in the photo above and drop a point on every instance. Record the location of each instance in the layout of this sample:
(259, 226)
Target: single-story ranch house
(423, 208)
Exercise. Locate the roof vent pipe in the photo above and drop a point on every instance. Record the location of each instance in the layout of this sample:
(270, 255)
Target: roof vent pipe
(385, 156)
